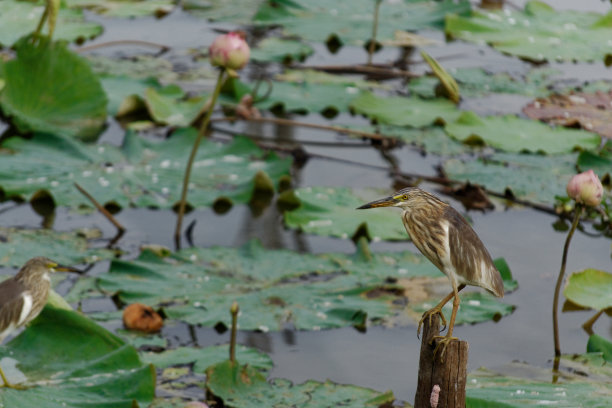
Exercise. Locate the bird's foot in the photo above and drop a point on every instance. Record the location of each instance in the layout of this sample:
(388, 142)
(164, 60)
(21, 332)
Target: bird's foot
(428, 314)
(14, 386)
(442, 344)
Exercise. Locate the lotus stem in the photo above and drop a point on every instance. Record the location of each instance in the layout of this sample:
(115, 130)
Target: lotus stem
(372, 45)
(577, 212)
(234, 311)
(194, 150)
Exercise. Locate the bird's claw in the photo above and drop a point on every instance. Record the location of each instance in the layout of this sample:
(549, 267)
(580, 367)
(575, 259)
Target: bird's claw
(444, 342)
(427, 315)
(14, 386)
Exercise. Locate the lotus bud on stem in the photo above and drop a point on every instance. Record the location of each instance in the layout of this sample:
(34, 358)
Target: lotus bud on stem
(586, 190)
(229, 52)
(234, 309)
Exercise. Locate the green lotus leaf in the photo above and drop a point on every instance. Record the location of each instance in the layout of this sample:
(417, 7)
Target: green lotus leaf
(598, 344)
(476, 82)
(141, 173)
(19, 18)
(332, 212)
(590, 288)
(279, 50)
(51, 89)
(208, 356)
(276, 288)
(309, 97)
(539, 33)
(513, 134)
(84, 366)
(533, 178)
(351, 20)
(124, 8)
(169, 106)
(584, 382)
(125, 94)
(600, 163)
(68, 248)
(405, 111)
(243, 386)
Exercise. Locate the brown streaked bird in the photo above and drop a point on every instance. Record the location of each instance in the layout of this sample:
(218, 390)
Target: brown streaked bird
(23, 296)
(448, 241)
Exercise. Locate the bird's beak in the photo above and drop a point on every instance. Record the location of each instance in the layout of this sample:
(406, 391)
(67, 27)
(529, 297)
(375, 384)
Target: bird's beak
(65, 268)
(383, 202)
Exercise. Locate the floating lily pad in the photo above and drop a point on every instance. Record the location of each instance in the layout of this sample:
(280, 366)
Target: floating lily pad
(475, 82)
(309, 97)
(528, 177)
(125, 8)
(68, 248)
(591, 111)
(512, 134)
(475, 307)
(598, 344)
(141, 173)
(590, 288)
(279, 50)
(125, 95)
(351, 20)
(405, 111)
(161, 69)
(206, 357)
(539, 33)
(600, 163)
(245, 387)
(50, 88)
(320, 77)
(584, 382)
(236, 11)
(274, 288)
(431, 140)
(332, 212)
(19, 18)
(170, 106)
(84, 365)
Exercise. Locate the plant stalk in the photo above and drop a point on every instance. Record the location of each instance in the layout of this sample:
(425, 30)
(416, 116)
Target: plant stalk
(194, 150)
(234, 311)
(577, 212)
(372, 45)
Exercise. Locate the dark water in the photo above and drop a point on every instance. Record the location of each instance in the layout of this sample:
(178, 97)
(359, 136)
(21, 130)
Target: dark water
(381, 358)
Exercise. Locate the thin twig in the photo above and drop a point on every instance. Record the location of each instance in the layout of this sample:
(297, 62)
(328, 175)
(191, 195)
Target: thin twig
(100, 208)
(289, 122)
(362, 69)
(577, 210)
(162, 48)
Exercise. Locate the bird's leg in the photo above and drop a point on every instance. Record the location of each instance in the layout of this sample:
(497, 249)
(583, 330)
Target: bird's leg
(8, 384)
(438, 309)
(445, 340)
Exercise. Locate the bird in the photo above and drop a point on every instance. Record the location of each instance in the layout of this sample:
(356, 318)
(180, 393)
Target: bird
(23, 297)
(445, 238)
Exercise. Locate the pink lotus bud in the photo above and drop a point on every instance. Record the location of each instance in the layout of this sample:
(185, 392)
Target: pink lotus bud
(229, 51)
(585, 188)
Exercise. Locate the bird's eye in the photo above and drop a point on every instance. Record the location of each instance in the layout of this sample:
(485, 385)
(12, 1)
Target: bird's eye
(405, 197)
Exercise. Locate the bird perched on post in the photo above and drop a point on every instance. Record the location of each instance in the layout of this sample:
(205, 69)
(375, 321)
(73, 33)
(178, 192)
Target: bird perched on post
(23, 296)
(448, 241)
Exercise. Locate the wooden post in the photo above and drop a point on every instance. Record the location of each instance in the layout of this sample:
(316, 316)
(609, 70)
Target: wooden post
(450, 375)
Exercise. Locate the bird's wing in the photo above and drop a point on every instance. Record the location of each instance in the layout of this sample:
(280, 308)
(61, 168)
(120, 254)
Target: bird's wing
(11, 304)
(470, 257)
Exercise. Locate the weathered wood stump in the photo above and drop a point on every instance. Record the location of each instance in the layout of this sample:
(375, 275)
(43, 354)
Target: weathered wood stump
(450, 375)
